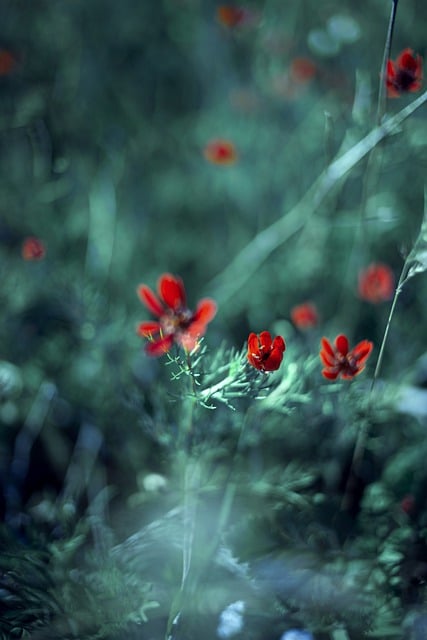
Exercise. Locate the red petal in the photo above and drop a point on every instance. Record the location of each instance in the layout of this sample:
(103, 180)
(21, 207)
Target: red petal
(188, 340)
(327, 359)
(362, 350)
(253, 345)
(150, 300)
(406, 60)
(265, 340)
(272, 363)
(172, 292)
(146, 329)
(391, 70)
(159, 347)
(192, 334)
(279, 343)
(205, 312)
(341, 343)
(327, 347)
(330, 375)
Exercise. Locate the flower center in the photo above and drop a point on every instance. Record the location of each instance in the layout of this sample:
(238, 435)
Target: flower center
(174, 321)
(404, 79)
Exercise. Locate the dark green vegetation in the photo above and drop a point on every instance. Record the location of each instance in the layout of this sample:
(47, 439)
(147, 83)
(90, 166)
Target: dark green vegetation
(126, 499)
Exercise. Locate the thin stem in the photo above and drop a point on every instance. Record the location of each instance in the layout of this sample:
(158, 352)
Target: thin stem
(255, 253)
(362, 435)
(382, 92)
(397, 293)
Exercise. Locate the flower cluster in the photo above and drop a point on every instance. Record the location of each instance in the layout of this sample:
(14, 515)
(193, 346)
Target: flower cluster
(177, 324)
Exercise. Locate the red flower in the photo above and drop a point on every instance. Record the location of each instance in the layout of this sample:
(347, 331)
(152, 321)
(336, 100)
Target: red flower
(405, 74)
(264, 353)
(339, 360)
(220, 152)
(33, 249)
(176, 323)
(230, 16)
(8, 62)
(304, 316)
(376, 283)
(302, 70)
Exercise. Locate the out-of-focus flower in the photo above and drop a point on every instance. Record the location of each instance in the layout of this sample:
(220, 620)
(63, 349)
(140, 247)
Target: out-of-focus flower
(220, 152)
(302, 70)
(264, 353)
(407, 503)
(340, 360)
(230, 16)
(33, 249)
(405, 74)
(176, 322)
(8, 62)
(376, 283)
(305, 316)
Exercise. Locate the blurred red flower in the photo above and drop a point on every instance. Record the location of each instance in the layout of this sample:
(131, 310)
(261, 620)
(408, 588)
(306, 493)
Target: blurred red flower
(176, 322)
(339, 360)
(302, 70)
(8, 62)
(264, 353)
(305, 316)
(407, 503)
(405, 74)
(376, 283)
(220, 152)
(33, 249)
(230, 16)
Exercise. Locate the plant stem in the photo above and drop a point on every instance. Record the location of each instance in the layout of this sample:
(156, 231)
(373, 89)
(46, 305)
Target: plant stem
(362, 435)
(397, 293)
(382, 92)
(256, 252)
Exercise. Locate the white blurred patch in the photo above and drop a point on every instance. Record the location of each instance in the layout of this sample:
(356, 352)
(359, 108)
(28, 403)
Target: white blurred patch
(322, 44)
(296, 634)
(231, 620)
(154, 482)
(343, 29)
(413, 401)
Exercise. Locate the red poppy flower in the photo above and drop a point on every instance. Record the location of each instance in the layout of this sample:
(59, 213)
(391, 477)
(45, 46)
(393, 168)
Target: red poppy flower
(220, 152)
(405, 74)
(230, 16)
(176, 323)
(305, 316)
(302, 70)
(376, 283)
(33, 249)
(8, 62)
(264, 353)
(339, 360)
(407, 503)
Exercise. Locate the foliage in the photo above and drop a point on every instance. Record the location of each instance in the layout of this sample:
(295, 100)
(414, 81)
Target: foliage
(272, 155)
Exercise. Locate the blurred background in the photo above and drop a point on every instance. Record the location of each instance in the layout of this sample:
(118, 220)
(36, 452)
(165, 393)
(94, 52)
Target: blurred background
(107, 111)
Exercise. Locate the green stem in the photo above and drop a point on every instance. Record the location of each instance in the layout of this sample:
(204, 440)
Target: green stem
(249, 260)
(382, 92)
(397, 293)
(362, 436)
